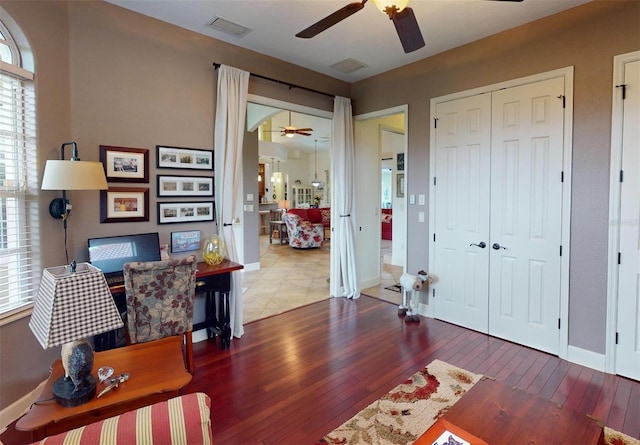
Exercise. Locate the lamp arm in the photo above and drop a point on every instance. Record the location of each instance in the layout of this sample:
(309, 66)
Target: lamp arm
(74, 153)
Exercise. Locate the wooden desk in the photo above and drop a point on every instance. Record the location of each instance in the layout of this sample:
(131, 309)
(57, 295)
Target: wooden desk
(499, 414)
(212, 281)
(156, 371)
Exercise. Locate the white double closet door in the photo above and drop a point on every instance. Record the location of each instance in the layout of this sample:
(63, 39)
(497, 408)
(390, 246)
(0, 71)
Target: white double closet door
(498, 212)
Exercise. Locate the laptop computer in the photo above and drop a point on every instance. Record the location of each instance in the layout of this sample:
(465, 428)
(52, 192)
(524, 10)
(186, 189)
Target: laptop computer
(110, 253)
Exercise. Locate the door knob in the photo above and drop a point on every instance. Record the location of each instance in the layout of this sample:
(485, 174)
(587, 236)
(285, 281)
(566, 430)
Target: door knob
(482, 244)
(497, 246)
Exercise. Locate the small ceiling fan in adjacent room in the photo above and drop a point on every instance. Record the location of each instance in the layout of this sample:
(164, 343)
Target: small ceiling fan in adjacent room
(399, 13)
(290, 131)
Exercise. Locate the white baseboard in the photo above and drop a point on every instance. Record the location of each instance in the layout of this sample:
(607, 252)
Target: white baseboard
(19, 407)
(250, 267)
(586, 358)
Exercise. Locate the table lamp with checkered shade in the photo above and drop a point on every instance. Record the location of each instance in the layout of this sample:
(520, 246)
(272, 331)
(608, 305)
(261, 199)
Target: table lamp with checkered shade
(74, 302)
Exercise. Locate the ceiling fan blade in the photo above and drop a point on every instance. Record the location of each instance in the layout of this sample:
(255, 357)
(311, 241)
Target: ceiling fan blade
(304, 129)
(303, 133)
(408, 30)
(331, 20)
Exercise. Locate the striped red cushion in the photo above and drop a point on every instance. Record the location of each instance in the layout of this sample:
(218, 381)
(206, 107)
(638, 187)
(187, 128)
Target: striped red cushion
(181, 420)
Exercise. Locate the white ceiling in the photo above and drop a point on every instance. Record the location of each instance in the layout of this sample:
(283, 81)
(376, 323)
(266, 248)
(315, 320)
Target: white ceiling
(367, 36)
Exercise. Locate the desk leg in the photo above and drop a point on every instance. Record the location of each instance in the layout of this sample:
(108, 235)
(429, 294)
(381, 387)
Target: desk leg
(225, 320)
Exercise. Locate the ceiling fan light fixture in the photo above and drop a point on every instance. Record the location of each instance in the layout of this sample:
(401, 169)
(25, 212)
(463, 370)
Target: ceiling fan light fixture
(383, 5)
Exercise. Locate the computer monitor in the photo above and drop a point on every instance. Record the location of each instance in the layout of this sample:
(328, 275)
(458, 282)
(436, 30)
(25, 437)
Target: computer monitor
(110, 253)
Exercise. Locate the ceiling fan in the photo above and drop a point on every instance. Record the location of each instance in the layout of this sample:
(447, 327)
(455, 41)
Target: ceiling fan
(399, 13)
(290, 131)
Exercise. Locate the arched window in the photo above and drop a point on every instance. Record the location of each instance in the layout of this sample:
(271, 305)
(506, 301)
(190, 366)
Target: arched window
(19, 252)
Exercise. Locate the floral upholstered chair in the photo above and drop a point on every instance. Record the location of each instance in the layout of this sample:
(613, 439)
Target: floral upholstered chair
(160, 298)
(303, 234)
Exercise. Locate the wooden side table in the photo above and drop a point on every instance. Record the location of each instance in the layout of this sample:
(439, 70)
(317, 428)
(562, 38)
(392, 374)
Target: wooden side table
(157, 373)
(280, 228)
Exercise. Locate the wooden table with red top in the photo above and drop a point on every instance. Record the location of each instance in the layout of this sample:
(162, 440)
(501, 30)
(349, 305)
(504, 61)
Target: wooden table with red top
(156, 372)
(494, 413)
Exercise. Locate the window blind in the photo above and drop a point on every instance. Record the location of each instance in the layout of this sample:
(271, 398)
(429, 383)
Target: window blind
(19, 232)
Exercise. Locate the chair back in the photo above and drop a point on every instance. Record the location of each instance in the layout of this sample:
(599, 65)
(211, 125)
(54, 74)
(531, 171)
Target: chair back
(160, 298)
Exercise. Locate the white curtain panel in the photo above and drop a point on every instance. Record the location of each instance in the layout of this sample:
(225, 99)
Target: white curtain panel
(231, 106)
(344, 281)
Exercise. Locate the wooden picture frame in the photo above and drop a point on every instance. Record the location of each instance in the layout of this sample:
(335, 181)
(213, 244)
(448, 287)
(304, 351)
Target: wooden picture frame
(183, 212)
(400, 185)
(122, 164)
(184, 158)
(124, 204)
(174, 185)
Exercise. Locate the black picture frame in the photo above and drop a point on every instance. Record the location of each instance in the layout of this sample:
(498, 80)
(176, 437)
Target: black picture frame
(185, 212)
(183, 158)
(184, 186)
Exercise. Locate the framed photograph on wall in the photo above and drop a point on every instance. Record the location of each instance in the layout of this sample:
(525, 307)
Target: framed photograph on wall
(186, 158)
(123, 164)
(400, 185)
(400, 162)
(185, 241)
(169, 185)
(124, 204)
(182, 212)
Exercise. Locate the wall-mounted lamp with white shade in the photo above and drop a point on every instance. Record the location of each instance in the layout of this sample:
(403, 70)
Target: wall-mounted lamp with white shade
(73, 174)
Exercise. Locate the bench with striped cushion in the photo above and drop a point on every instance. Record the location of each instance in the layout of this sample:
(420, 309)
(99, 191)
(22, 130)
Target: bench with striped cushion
(181, 420)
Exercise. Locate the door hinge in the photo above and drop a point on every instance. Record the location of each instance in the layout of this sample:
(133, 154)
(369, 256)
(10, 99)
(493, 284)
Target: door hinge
(562, 176)
(621, 175)
(435, 122)
(434, 180)
(433, 291)
(564, 100)
(558, 323)
(624, 90)
(434, 237)
(561, 250)
(619, 258)
(616, 338)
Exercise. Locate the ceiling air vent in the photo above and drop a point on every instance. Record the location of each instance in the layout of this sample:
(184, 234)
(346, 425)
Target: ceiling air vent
(228, 27)
(348, 66)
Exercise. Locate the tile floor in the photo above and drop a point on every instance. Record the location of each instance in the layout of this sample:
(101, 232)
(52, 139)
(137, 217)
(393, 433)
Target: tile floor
(289, 278)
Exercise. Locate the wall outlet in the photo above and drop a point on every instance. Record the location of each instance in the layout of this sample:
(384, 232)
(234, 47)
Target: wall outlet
(248, 207)
(412, 199)
(250, 197)
(420, 216)
(421, 200)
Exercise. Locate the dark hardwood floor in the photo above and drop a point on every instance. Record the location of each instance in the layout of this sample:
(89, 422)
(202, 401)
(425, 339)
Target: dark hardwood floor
(296, 376)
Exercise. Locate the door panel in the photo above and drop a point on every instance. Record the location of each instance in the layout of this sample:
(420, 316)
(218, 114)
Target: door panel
(628, 326)
(526, 209)
(462, 211)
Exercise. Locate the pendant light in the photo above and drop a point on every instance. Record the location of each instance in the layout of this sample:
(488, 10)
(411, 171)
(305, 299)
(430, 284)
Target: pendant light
(315, 181)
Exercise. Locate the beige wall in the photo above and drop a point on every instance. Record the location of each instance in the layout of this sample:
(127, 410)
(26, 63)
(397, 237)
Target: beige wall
(587, 38)
(107, 76)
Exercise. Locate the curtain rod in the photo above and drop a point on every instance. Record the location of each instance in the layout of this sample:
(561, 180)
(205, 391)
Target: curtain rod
(290, 85)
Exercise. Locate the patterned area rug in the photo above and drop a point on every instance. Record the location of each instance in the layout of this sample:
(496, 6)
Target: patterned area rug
(613, 437)
(407, 411)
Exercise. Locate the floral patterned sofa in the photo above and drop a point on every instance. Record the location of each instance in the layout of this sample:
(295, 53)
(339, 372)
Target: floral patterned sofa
(303, 234)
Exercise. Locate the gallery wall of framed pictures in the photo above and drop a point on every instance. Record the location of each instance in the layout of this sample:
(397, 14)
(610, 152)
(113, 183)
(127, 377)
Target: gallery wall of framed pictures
(131, 204)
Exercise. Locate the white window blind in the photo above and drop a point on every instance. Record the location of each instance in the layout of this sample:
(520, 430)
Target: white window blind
(19, 242)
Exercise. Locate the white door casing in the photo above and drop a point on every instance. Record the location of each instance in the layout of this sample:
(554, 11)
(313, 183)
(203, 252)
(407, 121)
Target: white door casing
(526, 214)
(462, 165)
(623, 324)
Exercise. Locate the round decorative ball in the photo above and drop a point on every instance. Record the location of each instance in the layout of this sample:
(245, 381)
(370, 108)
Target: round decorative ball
(214, 250)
